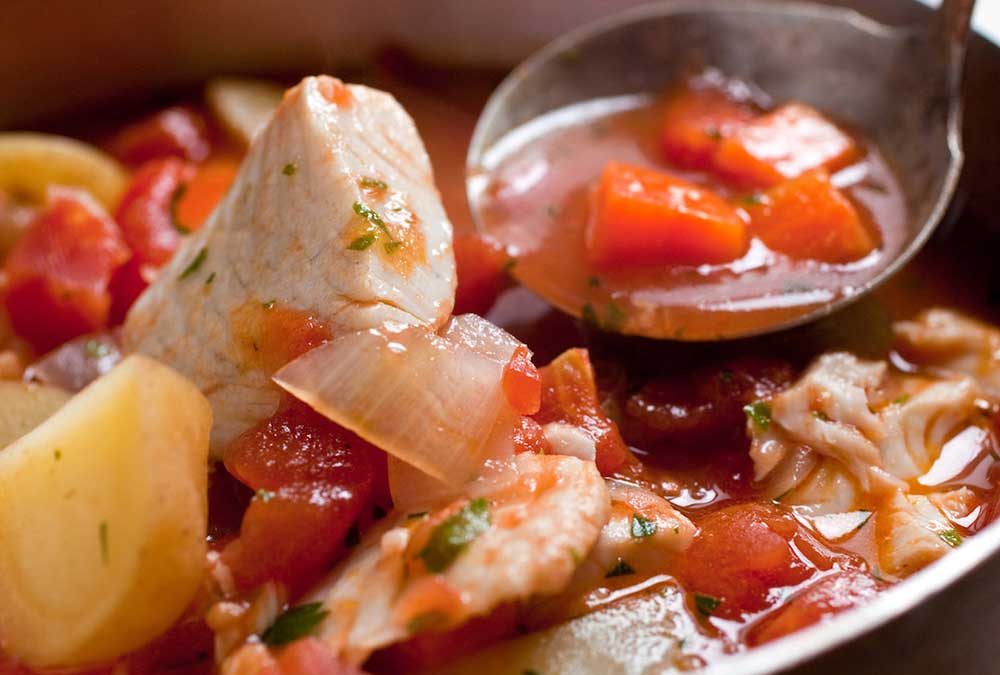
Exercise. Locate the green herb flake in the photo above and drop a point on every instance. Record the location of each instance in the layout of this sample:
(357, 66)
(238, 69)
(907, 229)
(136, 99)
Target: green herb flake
(760, 413)
(362, 242)
(97, 349)
(589, 315)
(575, 556)
(269, 304)
(594, 282)
(451, 537)
(642, 527)
(57, 454)
(175, 200)
(726, 375)
(373, 183)
(264, 495)
(900, 400)
(425, 621)
(755, 199)
(102, 536)
(509, 265)
(951, 537)
(614, 316)
(552, 211)
(289, 169)
(417, 515)
(198, 261)
(210, 279)
(706, 604)
(530, 671)
(713, 133)
(370, 215)
(621, 569)
(294, 623)
(392, 246)
(820, 415)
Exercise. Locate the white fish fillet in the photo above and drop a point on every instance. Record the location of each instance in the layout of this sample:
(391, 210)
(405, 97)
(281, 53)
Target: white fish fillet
(284, 233)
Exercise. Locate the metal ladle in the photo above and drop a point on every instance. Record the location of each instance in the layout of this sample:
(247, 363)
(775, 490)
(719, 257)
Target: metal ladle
(899, 85)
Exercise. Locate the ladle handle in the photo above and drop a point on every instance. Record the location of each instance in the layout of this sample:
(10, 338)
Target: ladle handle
(955, 17)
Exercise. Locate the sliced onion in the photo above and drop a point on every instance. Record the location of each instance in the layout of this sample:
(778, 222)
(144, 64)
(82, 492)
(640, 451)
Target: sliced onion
(77, 363)
(434, 401)
(243, 106)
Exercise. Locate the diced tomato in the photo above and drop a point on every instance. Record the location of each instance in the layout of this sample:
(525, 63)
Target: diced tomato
(201, 194)
(704, 406)
(739, 555)
(782, 144)
(430, 650)
(174, 132)
(59, 270)
(569, 395)
(522, 385)
(808, 218)
(313, 479)
(695, 120)
(479, 266)
(309, 656)
(145, 215)
(270, 334)
(822, 600)
(645, 217)
(529, 437)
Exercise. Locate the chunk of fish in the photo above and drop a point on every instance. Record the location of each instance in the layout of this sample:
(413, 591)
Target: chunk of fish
(912, 533)
(334, 214)
(545, 513)
(944, 342)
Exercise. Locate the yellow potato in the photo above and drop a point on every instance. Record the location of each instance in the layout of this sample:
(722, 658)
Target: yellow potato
(30, 162)
(24, 406)
(243, 106)
(103, 517)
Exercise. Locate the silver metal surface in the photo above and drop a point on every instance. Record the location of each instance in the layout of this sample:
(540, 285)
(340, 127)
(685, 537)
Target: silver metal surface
(64, 56)
(901, 86)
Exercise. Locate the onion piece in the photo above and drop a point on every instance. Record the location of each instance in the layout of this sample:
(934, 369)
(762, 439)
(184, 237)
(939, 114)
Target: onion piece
(243, 106)
(434, 401)
(75, 364)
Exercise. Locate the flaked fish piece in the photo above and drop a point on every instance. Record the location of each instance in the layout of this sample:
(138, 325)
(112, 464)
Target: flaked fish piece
(333, 224)
(912, 533)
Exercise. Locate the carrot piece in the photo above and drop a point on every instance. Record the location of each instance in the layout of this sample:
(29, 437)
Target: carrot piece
(203, 192)
(807, 217)
(695, 120)
(646, 217)
(782, 144)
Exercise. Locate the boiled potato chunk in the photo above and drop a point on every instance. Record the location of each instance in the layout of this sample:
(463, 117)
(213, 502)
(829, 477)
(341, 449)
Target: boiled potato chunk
(243, 105)
(24, 406)
(103, 517)
(31, 162)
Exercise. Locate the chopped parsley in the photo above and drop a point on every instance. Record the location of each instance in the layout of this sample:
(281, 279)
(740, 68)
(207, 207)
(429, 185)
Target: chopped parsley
(362, 242)
(97, 349)
(370, 215)
(552, 211)
(509, 265)
(726, 375)
(294, 623)
(820, 415)
(451, 537)
(269, 304)
(614, 316)
(621, 569)
(102, 536)
(195, 264)
(210, 279)
(593, 282)
(425, 621)
(589, 315)
(713, 133)
(374, 183)
(951, 537)
(391, 246)
(264, 495)
(575, 555)
(289, 169)
(900, 400)
(417, 515)
(753, 200)
(706, 604)
(530, 671)
(642, 527)
(760, 413)
(57, 454)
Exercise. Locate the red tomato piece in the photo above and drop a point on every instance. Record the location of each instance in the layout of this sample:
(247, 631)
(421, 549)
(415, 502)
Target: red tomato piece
(145, 215)
(695, 120)
(309, 656)
(782, 144)
(294, 533)
(174, 132)
(522, 385)
(740, 553)
(645, 217)
(479, 266)
(569, 395)
(528, 437)
(820, 601)
(59, 270)
(807, 217)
